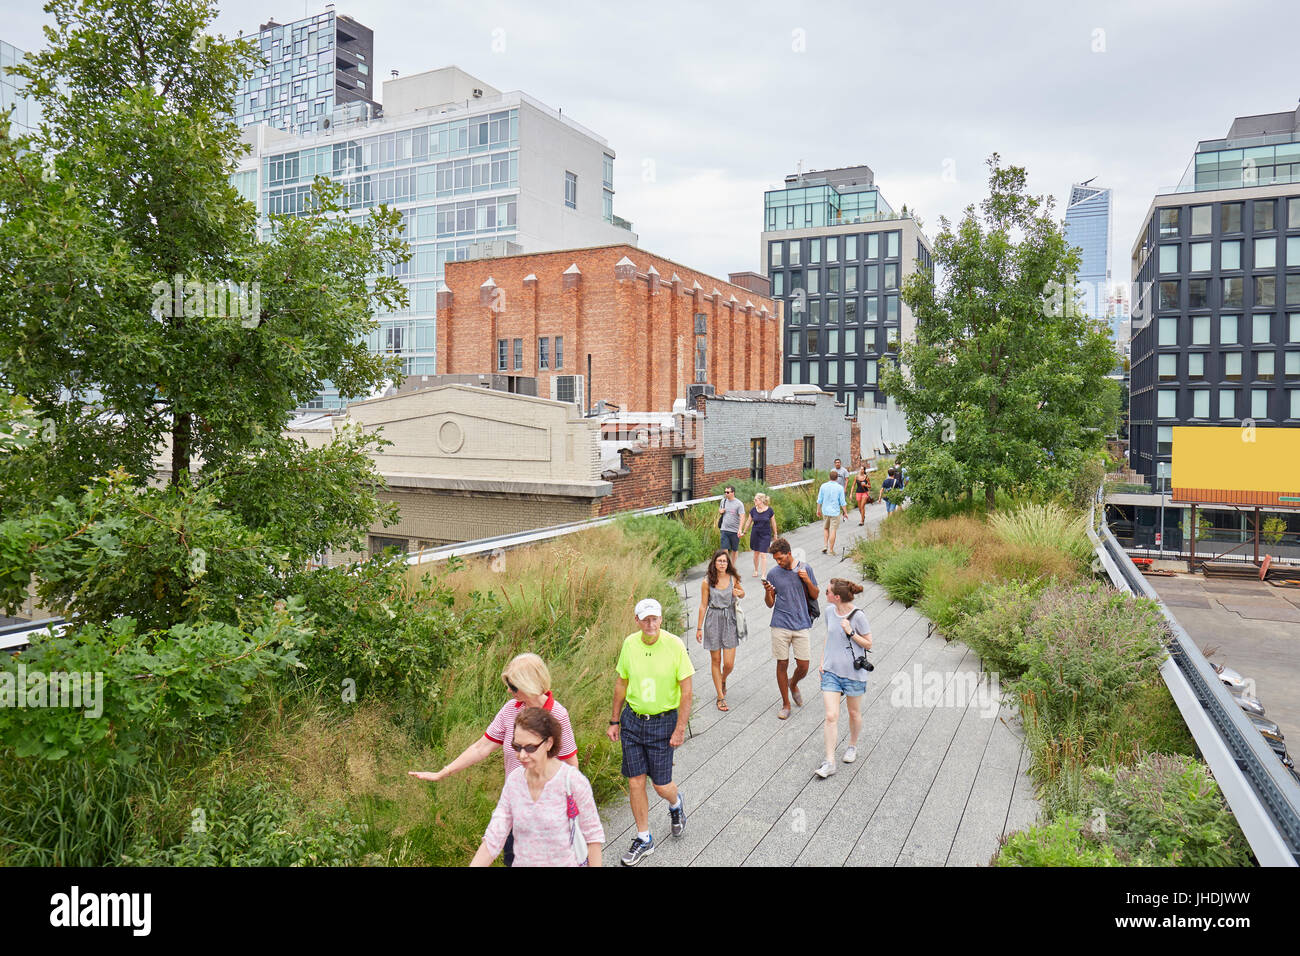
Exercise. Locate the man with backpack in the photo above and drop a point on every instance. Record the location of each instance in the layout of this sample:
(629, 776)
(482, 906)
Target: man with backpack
(791, 592)
(892, 483)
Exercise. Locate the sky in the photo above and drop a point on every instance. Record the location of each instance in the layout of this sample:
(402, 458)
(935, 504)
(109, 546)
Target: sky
(708, 104)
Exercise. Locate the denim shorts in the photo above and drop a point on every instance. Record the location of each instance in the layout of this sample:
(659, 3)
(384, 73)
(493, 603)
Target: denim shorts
(836, 684)
(730, 541)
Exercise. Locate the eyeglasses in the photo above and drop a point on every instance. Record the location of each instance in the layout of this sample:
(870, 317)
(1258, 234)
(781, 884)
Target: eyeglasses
(526, 748)
(513, 688)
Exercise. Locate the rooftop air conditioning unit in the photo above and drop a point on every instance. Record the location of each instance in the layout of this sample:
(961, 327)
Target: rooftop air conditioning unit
(569, 388)
(694, 391)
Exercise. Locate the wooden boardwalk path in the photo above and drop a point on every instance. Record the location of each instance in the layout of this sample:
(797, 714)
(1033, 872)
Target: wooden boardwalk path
(935, 783)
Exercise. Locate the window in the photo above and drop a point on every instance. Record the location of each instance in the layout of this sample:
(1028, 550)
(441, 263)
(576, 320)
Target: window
(832, 249)
(891, 244)
(775, 258)
(558, 358)
(571, 190)
(1168, 367)
(814, 341)
(814, 373)
(1265, 253)
(1232, 366)
(1227, 403)
(832, 280)
(607, 171)
(796, 341)
(701, 358)
(1200, 403)
(1168, 223)
(758, 459)
(851, 405)
(502, 354)
(891, 308)
(873, 245)
(778, 284)
(832, 311)
(1196, 365)
(1293, 251)
(850, 375)
(1201, 220)
(815, 312)
(851, 342)
(794, 252)
(1169, 295)
(1200, 256)
(379, 544)
(1293, 327)
(872, 313)
(1265, 290)
(1261, 328)
(872, 278)
(1232, 293)
(850, 311)
(543, 353)
(1265, 366)
(832, 373)
(891, 276)
(1292, 369)
(832, 341)
(1259, 403)
(1295, 396)
(1230, 254)
(1168, 329)
(1293, 214)
(1198, 293)
(814, 281)
(1201, 330)
(851, 247)
(1264, 209)
(1167, 402)
(1228, 329)
(519, 354)
(1164, 439)
(1168, 259)
(871, 371)
(809, 455)
(814, 251)
(1230, 217)
(851, 277)
(683, 479)
(1293, 290)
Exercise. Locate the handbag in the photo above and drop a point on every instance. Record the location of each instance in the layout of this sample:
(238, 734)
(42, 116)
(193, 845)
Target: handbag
(577, 842)
(742, 626)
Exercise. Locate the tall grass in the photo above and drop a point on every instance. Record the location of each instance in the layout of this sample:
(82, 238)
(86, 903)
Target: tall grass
(1039, 526)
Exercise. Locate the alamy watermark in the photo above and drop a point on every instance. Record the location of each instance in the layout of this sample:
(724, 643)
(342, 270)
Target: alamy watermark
(921, 688)
(37, 689)
(215, 300)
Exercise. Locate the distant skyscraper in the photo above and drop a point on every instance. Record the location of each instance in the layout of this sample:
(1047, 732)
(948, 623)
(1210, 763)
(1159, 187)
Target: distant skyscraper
(1087, 225)
(26, 116)
(314, 67)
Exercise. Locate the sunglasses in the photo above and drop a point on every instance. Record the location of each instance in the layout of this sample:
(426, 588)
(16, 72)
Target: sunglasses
(513, 688)
(526, 748)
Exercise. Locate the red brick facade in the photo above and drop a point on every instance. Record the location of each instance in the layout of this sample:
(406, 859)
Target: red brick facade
(636, 323)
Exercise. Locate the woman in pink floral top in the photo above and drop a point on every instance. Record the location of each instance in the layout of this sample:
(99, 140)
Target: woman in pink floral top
(547, 804)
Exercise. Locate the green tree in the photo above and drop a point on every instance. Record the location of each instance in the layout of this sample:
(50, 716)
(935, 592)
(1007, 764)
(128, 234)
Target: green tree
(1003, 388)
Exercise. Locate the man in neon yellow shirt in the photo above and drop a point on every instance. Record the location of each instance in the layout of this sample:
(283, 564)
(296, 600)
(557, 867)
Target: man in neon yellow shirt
(652, 703)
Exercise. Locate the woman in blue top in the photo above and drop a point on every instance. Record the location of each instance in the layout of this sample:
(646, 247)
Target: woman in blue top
(848, 634)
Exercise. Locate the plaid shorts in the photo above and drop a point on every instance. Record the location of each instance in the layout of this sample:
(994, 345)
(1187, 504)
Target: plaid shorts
(645, 745)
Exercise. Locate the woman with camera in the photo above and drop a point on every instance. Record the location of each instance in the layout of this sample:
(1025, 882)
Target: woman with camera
(844, 668)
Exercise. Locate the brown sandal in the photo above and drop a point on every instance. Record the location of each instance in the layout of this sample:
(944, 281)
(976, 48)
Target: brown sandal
(722, 704)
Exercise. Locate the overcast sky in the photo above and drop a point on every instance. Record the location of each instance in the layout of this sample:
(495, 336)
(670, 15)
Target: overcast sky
(708, 104)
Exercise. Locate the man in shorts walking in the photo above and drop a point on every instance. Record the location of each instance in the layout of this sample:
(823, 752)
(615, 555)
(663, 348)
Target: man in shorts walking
(652, 703)
(732, 511)
(830, 508)
(787, 589)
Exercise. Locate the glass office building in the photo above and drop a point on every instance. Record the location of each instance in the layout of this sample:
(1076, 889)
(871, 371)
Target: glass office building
(837, 254)
(1088, 226)
(26, 114)
(1216, 316)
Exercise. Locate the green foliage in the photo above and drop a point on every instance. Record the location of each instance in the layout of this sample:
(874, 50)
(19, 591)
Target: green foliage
(871, 554)
(994, 626)
(1168, 810)
(903, 574)
(1065, 841)
(675, 545)
(1003, 390)
(1273, 529)
(1147, 719)
(1045, 526)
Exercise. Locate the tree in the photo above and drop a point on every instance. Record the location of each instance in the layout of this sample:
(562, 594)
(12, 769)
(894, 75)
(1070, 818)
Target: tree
(141, 307)
(1002, 388)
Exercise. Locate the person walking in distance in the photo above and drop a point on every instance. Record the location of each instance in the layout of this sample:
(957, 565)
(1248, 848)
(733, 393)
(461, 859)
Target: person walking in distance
(848, 634)
(862, 491)
(787, 590)
(840, 474)
(762, 519)
(545, 802)
(891, 483)
(529, 682)
(652, 703)
(732, 512)
(717, 630)
(830, 508)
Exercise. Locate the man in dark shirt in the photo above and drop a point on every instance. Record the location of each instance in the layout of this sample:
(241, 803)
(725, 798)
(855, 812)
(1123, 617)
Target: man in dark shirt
(787, 589)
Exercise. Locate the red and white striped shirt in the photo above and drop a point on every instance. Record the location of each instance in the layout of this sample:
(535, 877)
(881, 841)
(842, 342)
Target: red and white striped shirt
(502, 730)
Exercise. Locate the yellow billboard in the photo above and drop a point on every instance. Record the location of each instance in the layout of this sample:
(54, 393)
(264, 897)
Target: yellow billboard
(1242, 465)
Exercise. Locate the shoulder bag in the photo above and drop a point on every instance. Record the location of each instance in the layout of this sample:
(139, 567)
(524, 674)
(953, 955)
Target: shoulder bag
(577, 842)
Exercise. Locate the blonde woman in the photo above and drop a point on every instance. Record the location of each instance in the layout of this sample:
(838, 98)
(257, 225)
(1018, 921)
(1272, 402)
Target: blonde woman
(529, 682)
(762, 519)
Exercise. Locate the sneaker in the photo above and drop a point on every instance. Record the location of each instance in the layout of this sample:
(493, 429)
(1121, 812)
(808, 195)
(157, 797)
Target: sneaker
(851, 755)
(637, 850)
(678, 817)
(826, 769)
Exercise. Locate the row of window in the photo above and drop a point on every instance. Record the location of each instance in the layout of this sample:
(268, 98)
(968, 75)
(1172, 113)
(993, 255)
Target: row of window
(813, 311)
(1231, 292)
(837, 279)
(1200, 219)
(1196, 330)
(827, 341)
(795, 252)
(1200, 255)
(846, 372)
(550, 353)
(1230, 365)
(1198, 402)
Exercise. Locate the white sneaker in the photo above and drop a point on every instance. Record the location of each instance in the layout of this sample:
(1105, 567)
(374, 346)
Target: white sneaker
(851, 755)
(826, 769)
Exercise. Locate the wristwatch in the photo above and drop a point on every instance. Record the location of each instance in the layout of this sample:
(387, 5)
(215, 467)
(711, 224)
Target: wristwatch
(613, 722)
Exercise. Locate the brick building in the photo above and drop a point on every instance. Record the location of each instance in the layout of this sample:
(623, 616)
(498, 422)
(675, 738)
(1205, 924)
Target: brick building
(609, 323)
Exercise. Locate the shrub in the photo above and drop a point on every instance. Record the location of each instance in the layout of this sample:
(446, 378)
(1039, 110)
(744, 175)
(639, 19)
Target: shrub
(1169, 811)
(903, 574)
(1148, 720)
(994, 625)
(871, 553)
(1064, 842)
(949, 593)
(675, 546)
(1045, 527)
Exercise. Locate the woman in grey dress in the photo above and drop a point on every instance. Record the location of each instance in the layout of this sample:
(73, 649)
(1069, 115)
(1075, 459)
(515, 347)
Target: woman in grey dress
(717, 621)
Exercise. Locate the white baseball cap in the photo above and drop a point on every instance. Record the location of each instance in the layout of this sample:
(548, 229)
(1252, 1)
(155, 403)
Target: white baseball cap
(647, 607)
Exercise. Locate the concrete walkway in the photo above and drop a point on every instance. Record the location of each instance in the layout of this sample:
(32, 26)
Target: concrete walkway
(936, 782)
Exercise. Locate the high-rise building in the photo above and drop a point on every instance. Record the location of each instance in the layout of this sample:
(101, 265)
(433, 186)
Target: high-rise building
(13, 94)
(1216, 271)
(1088, 226)
(474, 172)
(837, 254)
(314, 67)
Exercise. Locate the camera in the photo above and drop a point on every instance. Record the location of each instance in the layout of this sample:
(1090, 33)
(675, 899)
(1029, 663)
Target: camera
(862, 663)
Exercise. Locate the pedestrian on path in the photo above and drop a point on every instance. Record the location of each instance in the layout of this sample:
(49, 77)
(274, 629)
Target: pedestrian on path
(862, 491)
(652, 703)
(830, 508)
(891, 484)
(546, 805)
(840, 474)
(529, 681)
(731, 511)
(762, 519)
(787, 590)
(718, 630)
(848, 634)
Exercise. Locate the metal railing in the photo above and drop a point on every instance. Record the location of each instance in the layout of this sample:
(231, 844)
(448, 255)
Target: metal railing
(15, 637)
(1262, 793)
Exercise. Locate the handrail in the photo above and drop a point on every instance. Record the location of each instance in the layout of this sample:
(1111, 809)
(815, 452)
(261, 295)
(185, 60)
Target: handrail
(1262, 793)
